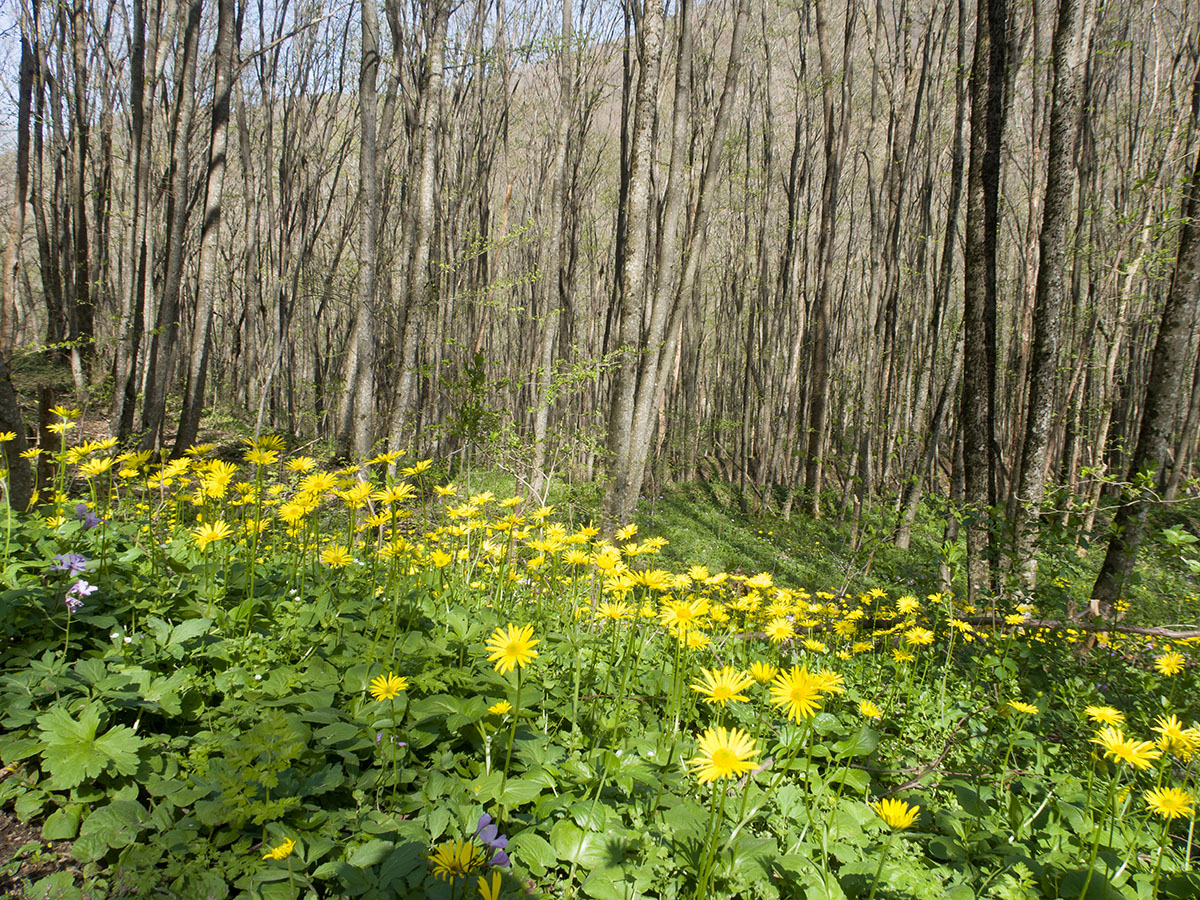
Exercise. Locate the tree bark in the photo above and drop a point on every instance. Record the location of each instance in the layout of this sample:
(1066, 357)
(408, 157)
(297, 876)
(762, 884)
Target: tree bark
(1069, 45)
(1168, 364)
(193, 397)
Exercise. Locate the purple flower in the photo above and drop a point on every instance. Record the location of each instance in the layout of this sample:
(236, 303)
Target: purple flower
(90, 519)
(71, 563)
(82, 589)
(489, 834)
(74, 604)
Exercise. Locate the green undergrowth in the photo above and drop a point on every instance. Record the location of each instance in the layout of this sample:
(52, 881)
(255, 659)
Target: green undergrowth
(243, 675)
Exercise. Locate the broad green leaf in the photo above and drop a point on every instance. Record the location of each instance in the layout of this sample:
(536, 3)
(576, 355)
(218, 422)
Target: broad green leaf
(62, 824)
(532, 850)
(185, 631)
(573, 844)
(369, 854)
(862, 743)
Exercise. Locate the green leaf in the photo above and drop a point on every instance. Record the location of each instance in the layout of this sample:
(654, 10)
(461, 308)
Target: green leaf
(371, 853)
(63, 824)
(73, 752)
(533, 851)
(573, 844)
(518, 792)
(861, 743)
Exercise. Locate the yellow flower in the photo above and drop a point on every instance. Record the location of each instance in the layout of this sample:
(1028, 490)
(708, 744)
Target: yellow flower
(211, 532)
(614, 612)
(908, 605)
(455, 859)
(260, 457)
(830, 682)
(763, 672)
(1170, 802)
(780, 630)
(492, 891)
(1022, 707)
(1105, 715)
(283, 851)
(32, 453)
(1170, 663)
(511, 649)
(386, 687)
(901, 655)
(723, 754)
(625, 533)
(896, 813)
(1138, 754)
(502, 708)
(723, 685)
(869, 710)
(918, 637)
(6, 436)
(336, 557)
(798, 692)
(1172, 736)
(301, 464)
(60, 427)
(440, 558)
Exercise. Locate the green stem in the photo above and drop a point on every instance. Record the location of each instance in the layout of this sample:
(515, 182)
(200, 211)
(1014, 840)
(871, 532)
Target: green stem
(879, 869)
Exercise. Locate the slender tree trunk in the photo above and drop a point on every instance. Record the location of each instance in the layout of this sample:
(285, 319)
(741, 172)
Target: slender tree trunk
(979, 297)
(163, 349)
(193, 398)
(1069, 46)
(1168, 364)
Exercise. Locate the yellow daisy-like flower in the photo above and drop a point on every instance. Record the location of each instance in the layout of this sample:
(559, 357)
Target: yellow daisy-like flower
(261, 457)
(830, 682)
(1104, 715)
(780, 630)
(723, 685)
(613, 612)
(211, 532)
(918, 637)
(723, 754)
(456, 859)
(6, 436)
(502, 708)
(1139, 754)
(283, 851)
(1022, 707)
(896, 813)
(763, 672)
(1170, 663)
(869, 710)
(901, 655)
(1170, 802)
(490, 891)
(387, 687)
(336, 557)
(1172, 736)
(908, 605)
(512, 648)
(301, 464)
(798, 692)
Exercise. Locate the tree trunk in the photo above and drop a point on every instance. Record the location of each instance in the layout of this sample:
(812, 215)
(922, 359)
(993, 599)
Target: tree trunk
(193, 398)
(1162, 397)
(1069, 46)
(979, 283)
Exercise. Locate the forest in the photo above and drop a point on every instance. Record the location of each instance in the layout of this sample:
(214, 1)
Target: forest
(839, 362)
